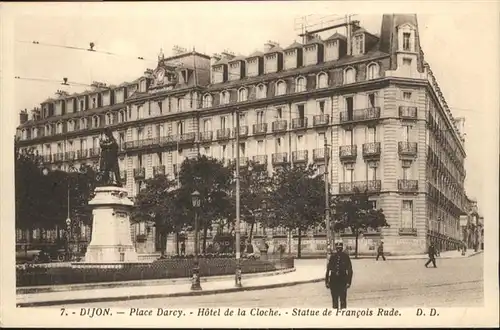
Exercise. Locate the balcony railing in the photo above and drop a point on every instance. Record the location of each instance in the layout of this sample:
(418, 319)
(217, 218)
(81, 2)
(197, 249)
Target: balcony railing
(243, 161)
(243, 131)
(319, 154)
(360, 115)
(279, 126)
(186, 137)
(70, 155)
(408, 231)
(321, 120)
(407, 148)
(370, 186)
(206, 136)
(139, 173)
(94, 152)
(348, 152)
(407, 112)
(81, 154)
(260, 159)
(299, 156)
(280, 158)
(159, 170)
(59, 157)
(167, 140)
(298, 123)
(137, 144)
(223, 133)
(371, 149)
(408, 185)
(259, 128)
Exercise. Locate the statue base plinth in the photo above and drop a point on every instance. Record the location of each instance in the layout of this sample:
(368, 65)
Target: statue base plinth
(111, 241)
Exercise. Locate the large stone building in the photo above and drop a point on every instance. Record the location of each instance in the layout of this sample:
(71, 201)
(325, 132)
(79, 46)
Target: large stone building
(372, 97)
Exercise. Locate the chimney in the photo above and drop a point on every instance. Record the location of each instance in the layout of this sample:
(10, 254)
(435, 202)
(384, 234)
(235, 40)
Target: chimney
(348, 35)
(215, 58)
(23, 116)
(227, 54)
(270, 45)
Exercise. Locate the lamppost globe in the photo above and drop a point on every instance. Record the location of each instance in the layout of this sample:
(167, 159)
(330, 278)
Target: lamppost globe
(45, 171)
(68, 222)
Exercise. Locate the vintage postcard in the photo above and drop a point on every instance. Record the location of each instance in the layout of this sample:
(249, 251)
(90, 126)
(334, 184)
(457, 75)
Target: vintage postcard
(250, 164)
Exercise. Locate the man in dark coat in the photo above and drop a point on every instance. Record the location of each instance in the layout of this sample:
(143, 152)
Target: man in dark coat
(432, 256)
(339, 276)
(380, 251)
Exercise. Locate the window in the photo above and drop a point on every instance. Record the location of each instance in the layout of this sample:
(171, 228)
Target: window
(280, 88)
(300, 85)
(242, 95)
(59, 128)
(300, 142)
(243, 119)
(348, 137)
(160, 107)
(207, 125)
(349, 104)
(223, 121)
(406, 41)
(95, 121)
(260, 117)
(121, 116)
(260, 147)
(407, 96)
(358, 46)
(301, 110)
(224, 97)
(279, 113)
(242, 149)
(109, 119)
(278, 145)
(406, 132)
(94, 102)
(321, 106)
(83, 123)
(348, 173)
(349, 76)
(407, 65)
(320, 140)
(180, 128)
(322, 80)
(371, 135)
(207, 101)
(407, 214)
(372, 71)
(71, 125)
(371, 172)
(371, 100)
(261, 91)
(81, 105)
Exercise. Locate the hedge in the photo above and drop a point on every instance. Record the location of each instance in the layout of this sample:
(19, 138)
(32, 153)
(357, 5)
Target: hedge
(159, 269)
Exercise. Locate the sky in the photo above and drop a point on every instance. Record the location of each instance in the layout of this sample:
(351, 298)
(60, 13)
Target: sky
(454, 39)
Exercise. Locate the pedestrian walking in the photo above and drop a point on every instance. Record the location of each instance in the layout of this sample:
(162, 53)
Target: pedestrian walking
(432, 256)
(339, 276)
(380, 251)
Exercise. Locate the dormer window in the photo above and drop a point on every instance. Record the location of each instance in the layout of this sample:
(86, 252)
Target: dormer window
(372, 71)
(242, 95)
(349, 76)
(280, 88)
(358, 45)
(322, 80)
(121, 116)
(300, 85)
(271, 64)
(109, 118)
(311, 55)
(95, 121)
(59, 128)
(218, 74)
(261, 91)
(207, 101)
(406, 37)
(224, 97)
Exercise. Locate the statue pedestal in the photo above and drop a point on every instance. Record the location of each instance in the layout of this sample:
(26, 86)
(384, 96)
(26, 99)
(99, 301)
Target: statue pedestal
(111, 241)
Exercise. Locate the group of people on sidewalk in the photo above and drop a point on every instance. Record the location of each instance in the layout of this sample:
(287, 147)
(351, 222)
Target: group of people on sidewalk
(339, 272)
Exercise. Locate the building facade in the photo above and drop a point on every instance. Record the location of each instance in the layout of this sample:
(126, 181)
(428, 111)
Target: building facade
(371, 97)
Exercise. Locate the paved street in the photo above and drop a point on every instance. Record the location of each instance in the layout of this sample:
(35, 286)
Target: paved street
(401, 283)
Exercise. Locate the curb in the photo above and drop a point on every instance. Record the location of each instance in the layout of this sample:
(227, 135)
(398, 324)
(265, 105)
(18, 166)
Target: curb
(165, 295)
(137, 283)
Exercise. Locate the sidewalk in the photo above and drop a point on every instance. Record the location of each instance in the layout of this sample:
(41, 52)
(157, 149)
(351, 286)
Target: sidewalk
(303, 274)
(444, 255)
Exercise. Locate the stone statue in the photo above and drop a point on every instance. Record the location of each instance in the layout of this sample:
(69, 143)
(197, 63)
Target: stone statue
(109, 171)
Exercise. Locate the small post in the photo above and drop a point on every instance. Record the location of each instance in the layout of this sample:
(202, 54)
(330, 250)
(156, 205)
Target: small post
(195, 285)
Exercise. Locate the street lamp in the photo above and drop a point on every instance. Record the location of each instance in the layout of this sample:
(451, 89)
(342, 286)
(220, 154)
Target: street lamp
(195, 196)
(327, 203)
(237, 277)
(68, 236)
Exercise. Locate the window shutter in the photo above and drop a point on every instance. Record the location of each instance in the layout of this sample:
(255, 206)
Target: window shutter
(361, 72)
(311, 82)
(271, 89)
(336, 77)
(115, 117)
(290, 85)
(233, 96)
(252, 92)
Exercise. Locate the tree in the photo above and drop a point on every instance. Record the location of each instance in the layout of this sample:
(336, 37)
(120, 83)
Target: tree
(255, 185)
(358, 214)
(297, 199)
(213, 181)
(158, 202)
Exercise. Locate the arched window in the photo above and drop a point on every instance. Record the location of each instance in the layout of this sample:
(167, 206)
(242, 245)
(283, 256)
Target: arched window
(372, 71)
(95, 121)
(207, 101)
(280, 88)
(322, 80)
(59, 128)
(300, 85)
(71, 125)
(24, 134)
(83, 123)
(261, 91)
(224, 97)
(242, 94)
(109, 118)
(34, 132)
(349, 76)
(121, 116)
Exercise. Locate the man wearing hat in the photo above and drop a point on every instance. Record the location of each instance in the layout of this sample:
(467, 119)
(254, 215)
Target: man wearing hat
(339, 276)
